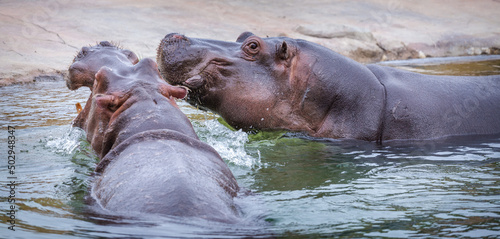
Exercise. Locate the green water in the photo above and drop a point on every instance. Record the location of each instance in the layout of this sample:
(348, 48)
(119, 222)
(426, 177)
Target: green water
(301, 186)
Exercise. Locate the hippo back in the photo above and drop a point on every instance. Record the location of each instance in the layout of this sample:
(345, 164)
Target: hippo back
(425, 106)
(166, 172)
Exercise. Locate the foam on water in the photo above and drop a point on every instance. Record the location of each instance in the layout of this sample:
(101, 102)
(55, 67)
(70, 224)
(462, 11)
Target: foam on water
(229, 144)
(68, 142)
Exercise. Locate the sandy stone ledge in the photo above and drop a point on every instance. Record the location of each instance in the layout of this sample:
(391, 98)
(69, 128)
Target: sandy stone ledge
(40, 38)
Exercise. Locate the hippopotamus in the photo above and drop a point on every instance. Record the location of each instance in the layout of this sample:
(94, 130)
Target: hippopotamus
(88, 61)
(151, 160)
(279, 83)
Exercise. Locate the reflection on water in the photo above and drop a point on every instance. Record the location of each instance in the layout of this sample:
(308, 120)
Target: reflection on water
(301, 186)
(457, 66)
(40, 104)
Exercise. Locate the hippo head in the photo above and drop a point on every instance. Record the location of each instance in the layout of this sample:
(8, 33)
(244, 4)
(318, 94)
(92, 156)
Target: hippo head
(132, 101)
(253, 83)
(90, 59)
(275, 83)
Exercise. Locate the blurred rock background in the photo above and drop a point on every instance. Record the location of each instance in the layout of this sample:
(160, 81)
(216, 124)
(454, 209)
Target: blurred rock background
(40, 38)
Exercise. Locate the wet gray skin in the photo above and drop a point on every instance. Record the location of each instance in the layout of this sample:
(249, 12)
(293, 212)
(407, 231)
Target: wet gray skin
(152, 161)
(281, 83)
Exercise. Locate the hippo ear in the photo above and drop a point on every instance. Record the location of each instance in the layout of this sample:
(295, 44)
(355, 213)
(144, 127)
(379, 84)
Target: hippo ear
(282, 51)
(243, 36)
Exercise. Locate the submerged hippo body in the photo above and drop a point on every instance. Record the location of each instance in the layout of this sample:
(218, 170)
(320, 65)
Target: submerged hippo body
(282, 83)
(152, 161)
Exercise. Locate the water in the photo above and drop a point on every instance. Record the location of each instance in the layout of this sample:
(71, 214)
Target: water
(458, 66)
(302, 187)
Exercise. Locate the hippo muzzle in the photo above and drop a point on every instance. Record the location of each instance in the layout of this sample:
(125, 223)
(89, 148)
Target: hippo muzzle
(181, 60)
(197, 64)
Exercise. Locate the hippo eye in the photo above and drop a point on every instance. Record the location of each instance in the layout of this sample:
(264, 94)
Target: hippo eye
(252, 48)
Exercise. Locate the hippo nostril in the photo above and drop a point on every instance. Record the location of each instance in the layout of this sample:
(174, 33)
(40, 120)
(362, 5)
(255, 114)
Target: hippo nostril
(102, 77)
(174, 35)
(175, 38)
(180, 37)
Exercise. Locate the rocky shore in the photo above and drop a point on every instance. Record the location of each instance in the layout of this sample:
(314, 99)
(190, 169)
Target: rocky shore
(40, 38)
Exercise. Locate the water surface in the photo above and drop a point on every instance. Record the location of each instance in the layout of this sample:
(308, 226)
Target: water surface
(303, 187)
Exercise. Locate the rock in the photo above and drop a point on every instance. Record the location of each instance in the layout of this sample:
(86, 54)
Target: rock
(335, 31)
(42, 37)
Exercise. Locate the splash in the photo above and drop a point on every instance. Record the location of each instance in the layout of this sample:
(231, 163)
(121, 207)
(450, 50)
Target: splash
(68, 143)
(229, 144)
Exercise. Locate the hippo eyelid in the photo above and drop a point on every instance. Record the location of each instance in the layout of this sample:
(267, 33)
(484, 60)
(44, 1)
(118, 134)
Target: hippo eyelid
(252, 46)
(243, 36)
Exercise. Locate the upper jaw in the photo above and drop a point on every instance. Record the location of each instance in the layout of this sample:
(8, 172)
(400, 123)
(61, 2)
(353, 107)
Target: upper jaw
(174, 38)
(188, 62)
(179, 75)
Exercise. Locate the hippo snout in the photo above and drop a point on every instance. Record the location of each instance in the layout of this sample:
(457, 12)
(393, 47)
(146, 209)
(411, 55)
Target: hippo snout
(175, 37)
(173, 41)
(177, 57)
(78, 76)
(75, 69)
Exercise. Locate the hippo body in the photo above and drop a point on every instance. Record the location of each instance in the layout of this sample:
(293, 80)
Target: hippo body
(280, 83)
(420, 105)
(166, 172)
(151, 158)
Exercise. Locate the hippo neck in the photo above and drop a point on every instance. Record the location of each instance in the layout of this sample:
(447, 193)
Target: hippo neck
(150, 135)
(357, 101)
(143, 116)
